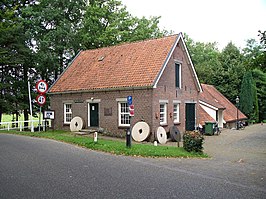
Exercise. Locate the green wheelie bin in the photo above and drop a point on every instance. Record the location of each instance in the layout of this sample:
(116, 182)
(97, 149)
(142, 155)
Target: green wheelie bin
(209, 128)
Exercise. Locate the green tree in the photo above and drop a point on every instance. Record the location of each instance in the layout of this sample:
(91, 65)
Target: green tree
(255, 61)
(205, 57)
(262, 57)
(260, 81)
(262, 35)
(248, 97)
(107, 23)
(54, 32)
(223, 69)
(232, 72)
(254, 55)
(15, 61)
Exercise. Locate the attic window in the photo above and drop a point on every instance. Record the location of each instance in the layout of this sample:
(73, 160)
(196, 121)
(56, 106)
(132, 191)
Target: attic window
(178, 75)
(101, 58)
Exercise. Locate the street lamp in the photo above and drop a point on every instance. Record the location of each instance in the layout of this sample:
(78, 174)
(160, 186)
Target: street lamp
(237, 103)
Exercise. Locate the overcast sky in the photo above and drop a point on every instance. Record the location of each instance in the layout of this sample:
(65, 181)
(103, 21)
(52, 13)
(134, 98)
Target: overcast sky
(206, 20)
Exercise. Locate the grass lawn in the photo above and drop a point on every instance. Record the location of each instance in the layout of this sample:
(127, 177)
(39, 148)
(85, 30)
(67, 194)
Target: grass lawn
(9, 118)
(111, 146)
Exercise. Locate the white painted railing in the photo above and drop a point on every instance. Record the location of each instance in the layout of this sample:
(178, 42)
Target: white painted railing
(19, 125)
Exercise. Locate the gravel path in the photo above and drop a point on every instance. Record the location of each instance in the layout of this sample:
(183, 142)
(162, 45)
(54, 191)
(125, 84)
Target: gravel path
(248, 145)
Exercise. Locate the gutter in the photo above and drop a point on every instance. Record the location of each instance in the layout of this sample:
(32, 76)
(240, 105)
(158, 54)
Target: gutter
(103, 90)
(210, 106)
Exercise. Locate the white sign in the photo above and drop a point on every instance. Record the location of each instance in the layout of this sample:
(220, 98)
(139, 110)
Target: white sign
(48, 114)
(41, 86)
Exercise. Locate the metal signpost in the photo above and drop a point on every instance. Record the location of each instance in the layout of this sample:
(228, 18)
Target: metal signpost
(42, 88)
(32, 127)
(131, 114)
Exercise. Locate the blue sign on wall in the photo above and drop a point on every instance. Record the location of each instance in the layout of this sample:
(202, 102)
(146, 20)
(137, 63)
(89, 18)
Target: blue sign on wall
(129, 100)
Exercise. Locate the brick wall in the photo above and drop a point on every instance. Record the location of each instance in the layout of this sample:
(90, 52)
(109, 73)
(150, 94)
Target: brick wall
(166, 90)
(107, 100)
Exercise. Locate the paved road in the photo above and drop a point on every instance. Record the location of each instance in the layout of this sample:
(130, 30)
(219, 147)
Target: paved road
(39, 168)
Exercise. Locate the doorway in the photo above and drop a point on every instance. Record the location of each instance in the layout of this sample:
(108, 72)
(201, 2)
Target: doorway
(94, 114)
(190, 116)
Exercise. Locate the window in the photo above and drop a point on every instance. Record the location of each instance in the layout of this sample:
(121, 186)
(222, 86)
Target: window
(123, 114)
(67, 113)
(163, 114)
(178, 75)
(176, 113)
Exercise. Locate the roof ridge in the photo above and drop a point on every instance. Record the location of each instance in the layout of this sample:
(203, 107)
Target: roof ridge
(131, 42)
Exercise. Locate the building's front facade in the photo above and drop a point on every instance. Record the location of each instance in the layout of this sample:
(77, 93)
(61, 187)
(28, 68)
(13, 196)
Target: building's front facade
(158, 74)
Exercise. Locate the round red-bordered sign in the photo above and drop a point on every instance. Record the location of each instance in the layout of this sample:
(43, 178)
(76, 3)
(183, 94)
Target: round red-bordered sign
(41, 99)
(41, 86)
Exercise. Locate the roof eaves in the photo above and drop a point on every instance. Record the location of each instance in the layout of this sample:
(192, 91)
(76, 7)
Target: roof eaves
(235, 120)
(208, 105)
(102, 90)
(192, 66)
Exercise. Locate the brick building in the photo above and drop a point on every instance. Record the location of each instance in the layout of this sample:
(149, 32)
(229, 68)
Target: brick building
(215, 107)
(157, 73)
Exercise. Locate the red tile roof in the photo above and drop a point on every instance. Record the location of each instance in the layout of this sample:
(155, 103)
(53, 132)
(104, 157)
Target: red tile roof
(135, 64)
(213, 97)
(206, 96)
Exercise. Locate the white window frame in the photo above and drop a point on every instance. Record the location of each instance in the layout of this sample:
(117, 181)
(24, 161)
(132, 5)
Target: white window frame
(176, 112)
(123, 113)
(163, 113)
(69, 112)
(180, 75)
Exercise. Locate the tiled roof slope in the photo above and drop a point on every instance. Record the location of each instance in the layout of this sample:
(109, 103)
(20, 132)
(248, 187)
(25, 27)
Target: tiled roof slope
(204, 116)
(206, 96)
(128, 65)
(230, 112)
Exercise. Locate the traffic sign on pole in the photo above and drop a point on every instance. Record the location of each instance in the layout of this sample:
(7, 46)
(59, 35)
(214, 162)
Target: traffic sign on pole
(131, 110)
(41, 99)
(42, 87)
(129, 100)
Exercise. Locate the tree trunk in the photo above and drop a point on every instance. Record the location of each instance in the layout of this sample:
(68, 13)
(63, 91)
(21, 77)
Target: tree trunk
(17, 114)
(1, 115)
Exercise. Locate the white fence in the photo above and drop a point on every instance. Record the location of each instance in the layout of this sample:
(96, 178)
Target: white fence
(19, 125)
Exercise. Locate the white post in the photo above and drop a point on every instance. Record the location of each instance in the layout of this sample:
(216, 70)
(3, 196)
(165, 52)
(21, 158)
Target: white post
(32, 128)
(43, 125)
(40, 118)
(95, 136)
(20, 126)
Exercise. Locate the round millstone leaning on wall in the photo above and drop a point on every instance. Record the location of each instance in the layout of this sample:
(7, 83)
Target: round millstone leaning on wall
(161, 135)
(76, 124)
(175, 134)
(140, 131)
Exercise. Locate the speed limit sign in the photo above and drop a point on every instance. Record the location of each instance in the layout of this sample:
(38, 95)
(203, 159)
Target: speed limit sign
(41, 86)
(41, 99)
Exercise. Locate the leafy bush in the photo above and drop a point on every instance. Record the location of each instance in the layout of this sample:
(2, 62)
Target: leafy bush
(193, 141)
